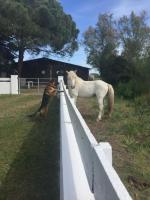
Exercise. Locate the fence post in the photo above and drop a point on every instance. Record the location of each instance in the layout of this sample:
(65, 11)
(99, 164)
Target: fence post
(19, 87)
(60, 78)
(38, 86)
(107, 183)
(106, 147)
(14, 84)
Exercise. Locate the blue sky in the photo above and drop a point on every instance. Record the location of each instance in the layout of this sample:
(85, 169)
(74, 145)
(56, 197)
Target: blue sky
(85, 13)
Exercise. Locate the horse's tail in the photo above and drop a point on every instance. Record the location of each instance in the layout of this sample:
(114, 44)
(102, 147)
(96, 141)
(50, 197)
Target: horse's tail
(110, 99)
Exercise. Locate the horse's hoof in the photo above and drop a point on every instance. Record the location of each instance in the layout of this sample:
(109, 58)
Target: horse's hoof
(109, 115)
(97, 120)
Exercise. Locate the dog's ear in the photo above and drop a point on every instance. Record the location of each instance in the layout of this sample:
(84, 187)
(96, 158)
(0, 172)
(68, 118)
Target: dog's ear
(67, 72)
(75, 71)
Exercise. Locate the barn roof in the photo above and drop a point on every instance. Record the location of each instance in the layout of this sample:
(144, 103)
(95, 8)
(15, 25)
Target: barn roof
(54, 61)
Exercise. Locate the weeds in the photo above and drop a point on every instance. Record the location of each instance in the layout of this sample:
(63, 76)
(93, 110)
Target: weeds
(128, 131)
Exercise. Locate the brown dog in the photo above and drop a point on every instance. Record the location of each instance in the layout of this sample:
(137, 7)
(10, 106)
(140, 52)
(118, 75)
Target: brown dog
(50, 90)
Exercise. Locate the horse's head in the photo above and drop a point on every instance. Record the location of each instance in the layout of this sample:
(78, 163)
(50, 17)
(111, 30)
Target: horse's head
(71, 79)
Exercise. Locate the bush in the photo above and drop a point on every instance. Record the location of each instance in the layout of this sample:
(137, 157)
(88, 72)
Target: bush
(133, 89)
(139, 82)
(126, 90)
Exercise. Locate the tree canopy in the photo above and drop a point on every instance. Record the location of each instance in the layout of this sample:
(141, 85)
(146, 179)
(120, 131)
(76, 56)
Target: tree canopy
(101, 42)
(120, 49)
(35, 26)
(134, 36)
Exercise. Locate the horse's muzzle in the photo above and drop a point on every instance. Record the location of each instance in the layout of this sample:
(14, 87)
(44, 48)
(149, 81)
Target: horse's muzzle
(72, 87)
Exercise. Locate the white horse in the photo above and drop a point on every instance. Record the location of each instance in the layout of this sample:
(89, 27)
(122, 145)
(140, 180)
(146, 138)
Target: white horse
(79, 87)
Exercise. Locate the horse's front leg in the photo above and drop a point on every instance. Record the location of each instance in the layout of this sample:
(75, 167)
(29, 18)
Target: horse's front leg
(100, 103)
(73, 94)
(74, 99)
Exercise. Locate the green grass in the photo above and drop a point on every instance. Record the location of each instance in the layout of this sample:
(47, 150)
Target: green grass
(29, 150)
(128, 131)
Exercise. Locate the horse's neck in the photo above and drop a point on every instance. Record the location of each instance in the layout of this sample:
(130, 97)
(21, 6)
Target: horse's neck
(79, 81)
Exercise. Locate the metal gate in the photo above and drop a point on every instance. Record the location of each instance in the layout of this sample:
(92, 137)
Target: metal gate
(34, 86)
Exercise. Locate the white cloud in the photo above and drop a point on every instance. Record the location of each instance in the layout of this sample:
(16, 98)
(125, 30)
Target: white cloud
(125, 7)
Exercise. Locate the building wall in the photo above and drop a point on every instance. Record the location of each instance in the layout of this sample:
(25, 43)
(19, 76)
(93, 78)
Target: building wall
(46, 68)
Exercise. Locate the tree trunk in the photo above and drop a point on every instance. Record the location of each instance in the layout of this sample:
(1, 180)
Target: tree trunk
(20, 61)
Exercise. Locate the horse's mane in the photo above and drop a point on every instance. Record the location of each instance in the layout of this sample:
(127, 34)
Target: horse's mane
(79, 78)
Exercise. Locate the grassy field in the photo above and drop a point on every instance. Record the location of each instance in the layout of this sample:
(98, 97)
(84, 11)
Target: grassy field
(29, 150)
(128, 131)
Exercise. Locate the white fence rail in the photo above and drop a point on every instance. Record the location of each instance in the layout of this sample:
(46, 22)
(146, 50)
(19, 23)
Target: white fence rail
(33, 85)
(9, 85)
(86, 171)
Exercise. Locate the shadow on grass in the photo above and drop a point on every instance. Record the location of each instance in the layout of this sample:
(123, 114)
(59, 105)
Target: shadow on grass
(34, 174)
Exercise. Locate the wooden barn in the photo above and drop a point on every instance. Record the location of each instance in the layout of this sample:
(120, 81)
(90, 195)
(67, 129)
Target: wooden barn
(48, 68)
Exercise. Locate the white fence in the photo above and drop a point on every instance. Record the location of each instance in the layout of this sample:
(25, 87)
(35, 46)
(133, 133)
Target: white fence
(86, 171)
(9, 85)
(33, 85)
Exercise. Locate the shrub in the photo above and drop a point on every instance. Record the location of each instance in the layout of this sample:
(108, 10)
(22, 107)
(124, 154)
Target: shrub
(126, 90)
